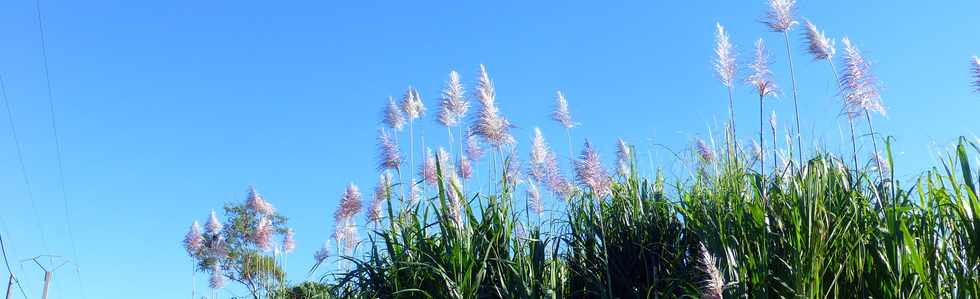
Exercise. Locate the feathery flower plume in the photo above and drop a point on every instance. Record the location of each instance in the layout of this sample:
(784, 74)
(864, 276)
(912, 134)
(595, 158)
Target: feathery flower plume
(519, 231)
(455, 203)
(757, 152)
(322, 254)
(882, 164)
(780, 15)
(193, 241)
(589, 172)
(412, 104)
(859, 85)
(473, 149)
(784, 160)
(534, 198)
(713, 285)
(257, 203)
(513, 172)
(818, 44)
(350, 204)
(556, 182)
(465, 169)
(623, 153)
(376, 209)
(725, 61)
(976, 72)
(213, 227)
(392, 116)
(217, 280)
(561, 114)
(539, 156)
(772, 121)
(761, 77)
(489, 124)
(263, 234)
(288, 243)
(453, 106)
(707, 154)
(444, 161)
(428, 169)
(389, 156)
(415, 194)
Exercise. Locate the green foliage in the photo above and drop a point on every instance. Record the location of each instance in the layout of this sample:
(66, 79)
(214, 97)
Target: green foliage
(817, 231)
(240, 258)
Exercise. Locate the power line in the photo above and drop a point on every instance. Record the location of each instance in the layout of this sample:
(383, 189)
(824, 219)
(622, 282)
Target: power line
(57, 143)
(6, 262)
(23, 166)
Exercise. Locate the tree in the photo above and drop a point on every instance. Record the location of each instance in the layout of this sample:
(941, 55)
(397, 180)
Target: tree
(242, 250)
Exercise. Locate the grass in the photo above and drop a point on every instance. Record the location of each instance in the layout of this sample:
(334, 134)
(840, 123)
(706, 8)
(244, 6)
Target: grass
(818, 231)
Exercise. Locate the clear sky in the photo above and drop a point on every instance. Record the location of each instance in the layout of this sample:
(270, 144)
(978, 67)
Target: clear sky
(168, 109)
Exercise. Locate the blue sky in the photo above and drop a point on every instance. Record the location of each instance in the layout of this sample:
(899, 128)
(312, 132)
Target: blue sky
(168, 109)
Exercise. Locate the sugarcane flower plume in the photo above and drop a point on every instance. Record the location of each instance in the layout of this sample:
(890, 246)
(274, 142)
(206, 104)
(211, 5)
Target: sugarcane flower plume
(512, 173)
(976, 73)
(445, 161)
(705, 151)
(562, 114)
(465, 169)
(288, 242)
(713, 285)
(323, 253)
(193, 241)
(217, 280)
(589, 172)
(350, 204)
(882, 164)
(539, 156)
(858, 84)
(555, 181)
(375, 211)
(213, 227)
(623, 156)
(392, 116)
(428, 168)
(761, 77)
(780, 15)
(263, 234)
(389, 156)
(772, 122)
(489, 124)
(412, 104)
(257, 203)
(473, 150)
(724, 62)
(414, 194)
(534, 198)
(453, 106)
(453, 191)
(757, 153)
(818, 45)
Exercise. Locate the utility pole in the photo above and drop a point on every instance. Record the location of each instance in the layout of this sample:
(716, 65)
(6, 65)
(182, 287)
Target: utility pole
(10, 287)
(48, 271)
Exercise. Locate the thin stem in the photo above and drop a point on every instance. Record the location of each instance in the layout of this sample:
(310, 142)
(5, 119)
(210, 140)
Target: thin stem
(796, 102)
(762, 143)
(867, 115)
(850, 122)
(775, 152)
(731, 117)
(411, 158)
(571, 155)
